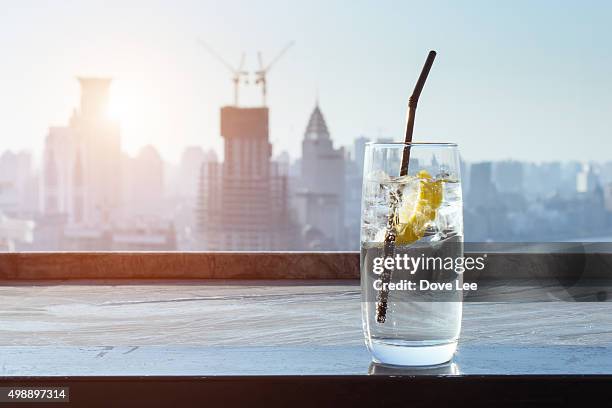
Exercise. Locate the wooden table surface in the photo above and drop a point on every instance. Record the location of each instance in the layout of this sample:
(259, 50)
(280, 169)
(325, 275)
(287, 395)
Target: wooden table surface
(276, 327)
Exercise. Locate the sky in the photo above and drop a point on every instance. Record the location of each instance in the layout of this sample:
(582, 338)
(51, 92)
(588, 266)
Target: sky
(525, 80)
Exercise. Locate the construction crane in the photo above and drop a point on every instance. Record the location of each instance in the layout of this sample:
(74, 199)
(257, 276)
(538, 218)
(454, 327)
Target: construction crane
(260, 75)
(238, 73)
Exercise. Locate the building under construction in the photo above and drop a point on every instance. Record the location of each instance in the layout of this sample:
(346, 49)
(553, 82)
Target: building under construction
(243, 202)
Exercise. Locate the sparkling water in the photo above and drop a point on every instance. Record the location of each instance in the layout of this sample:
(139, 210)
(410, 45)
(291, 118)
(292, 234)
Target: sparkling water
(420, 327)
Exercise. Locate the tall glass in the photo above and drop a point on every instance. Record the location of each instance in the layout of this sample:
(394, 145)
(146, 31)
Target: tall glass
(411, 308)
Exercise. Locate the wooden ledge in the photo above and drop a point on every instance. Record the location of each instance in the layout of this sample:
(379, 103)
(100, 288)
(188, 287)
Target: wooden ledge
(273, 265)
(179, 265)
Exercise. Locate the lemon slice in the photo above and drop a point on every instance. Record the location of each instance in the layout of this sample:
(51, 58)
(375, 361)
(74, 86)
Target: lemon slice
(416, 212)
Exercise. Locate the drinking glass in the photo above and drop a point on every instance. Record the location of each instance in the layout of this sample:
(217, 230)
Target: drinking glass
(407, 217)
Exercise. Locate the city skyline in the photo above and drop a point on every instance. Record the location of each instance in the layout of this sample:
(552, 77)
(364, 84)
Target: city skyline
(143, 204)
(168, 89)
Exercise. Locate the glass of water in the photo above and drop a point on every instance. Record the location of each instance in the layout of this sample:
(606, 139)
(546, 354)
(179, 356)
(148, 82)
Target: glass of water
(411, 252)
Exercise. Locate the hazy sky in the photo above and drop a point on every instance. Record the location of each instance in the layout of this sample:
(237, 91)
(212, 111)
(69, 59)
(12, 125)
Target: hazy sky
(525, 80)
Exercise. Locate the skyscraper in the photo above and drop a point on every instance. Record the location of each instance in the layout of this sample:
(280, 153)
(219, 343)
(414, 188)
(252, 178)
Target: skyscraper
(586, 180)
(508, 176)
(58, 171)
(17, 180)
(82, 161)
(607, 191)
(243, 202)
(359, 151)
(322, 189)
(192, 159)
(98, 155)
(144, 195)
(482, 189)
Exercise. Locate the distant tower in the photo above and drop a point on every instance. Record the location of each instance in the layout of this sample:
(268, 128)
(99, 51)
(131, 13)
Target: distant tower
(58, 171)
(144, 196)
(607, 191)
(482, 189)
(322, 188)
(587, 180)
(243, 201)
(17, 197)
(192, 159)
(99, 149)
(51, 198)
(359, 151)
(78, 190)
(508, 176)
(82, 161)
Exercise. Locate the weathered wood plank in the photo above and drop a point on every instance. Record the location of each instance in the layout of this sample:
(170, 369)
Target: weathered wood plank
(258, 313)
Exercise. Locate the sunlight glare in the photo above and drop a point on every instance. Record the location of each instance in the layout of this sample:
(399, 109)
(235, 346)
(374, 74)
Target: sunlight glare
(134, 107)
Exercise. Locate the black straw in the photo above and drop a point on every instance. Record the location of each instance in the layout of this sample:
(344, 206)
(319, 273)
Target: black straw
(412, 105)
(390, 236)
